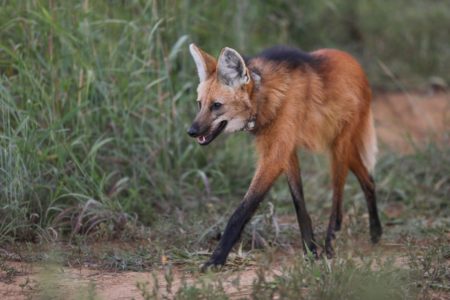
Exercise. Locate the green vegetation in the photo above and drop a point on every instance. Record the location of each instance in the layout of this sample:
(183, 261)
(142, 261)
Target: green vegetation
(95, 98)
(363, 278)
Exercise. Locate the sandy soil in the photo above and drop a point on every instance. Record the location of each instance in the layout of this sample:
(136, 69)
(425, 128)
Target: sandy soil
(78, 283)
(403, 121)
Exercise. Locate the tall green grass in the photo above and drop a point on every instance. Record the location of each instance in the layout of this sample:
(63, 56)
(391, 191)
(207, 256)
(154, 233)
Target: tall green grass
(96, 95)
(94, 111)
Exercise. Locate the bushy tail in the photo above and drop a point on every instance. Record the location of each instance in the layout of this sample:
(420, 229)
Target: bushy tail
(368, 148)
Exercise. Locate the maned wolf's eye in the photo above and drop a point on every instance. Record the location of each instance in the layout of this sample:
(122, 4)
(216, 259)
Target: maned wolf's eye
(216, 105)
(199, 105)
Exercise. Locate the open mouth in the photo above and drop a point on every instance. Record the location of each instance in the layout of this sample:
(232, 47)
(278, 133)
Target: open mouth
(208, 138)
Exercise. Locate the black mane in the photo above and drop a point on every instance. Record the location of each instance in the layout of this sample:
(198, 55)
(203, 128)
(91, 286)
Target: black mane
(291, 57)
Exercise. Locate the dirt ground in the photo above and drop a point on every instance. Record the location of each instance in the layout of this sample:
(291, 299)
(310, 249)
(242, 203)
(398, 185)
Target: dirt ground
(403, 122)
(78, 283)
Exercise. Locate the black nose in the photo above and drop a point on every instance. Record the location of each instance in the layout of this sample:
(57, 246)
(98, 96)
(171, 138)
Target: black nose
(194, 130)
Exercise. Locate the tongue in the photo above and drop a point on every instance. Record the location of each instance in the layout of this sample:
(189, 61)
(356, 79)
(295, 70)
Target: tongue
(201, 139)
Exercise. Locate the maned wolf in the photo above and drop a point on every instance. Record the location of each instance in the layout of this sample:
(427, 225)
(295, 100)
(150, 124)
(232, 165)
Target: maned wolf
(288, 99)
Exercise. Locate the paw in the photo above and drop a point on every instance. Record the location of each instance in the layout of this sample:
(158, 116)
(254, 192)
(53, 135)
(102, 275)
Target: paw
(329, 251)
(311, 251)
(375, 234)
(337, 224)
(211, 265)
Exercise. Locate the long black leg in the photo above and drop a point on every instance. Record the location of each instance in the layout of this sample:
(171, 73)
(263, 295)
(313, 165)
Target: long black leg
(233, 230)
(368, 187)
(261, 183)
(303, 218)
(339, 172)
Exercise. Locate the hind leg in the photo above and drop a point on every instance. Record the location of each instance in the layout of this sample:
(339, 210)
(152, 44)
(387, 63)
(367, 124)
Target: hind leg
(368, 186)
(339, 215)
(339, 171)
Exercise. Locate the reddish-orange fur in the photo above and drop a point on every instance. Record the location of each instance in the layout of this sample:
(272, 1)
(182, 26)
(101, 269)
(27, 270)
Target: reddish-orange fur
(322, 109)
(325, 111)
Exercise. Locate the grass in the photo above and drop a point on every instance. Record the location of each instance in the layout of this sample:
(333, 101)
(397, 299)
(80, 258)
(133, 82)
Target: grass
(412, 261)
(95, 97)
(421, 274)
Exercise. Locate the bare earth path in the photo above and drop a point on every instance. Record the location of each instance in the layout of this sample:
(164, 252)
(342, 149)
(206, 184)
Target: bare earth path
(74, 283)
(402, 120)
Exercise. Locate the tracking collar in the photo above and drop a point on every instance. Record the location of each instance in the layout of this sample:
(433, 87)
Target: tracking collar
(251, 123)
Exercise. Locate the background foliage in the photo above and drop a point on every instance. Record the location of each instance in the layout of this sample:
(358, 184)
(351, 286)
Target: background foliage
(96, 95)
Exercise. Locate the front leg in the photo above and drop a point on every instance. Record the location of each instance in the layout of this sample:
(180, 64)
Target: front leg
(265, 175)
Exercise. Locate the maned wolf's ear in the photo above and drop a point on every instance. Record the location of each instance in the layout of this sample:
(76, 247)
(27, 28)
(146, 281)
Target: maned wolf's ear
(206, 64)
(231, 68)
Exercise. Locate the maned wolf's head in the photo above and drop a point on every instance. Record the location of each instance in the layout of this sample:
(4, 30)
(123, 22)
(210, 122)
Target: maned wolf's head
(223, 95)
